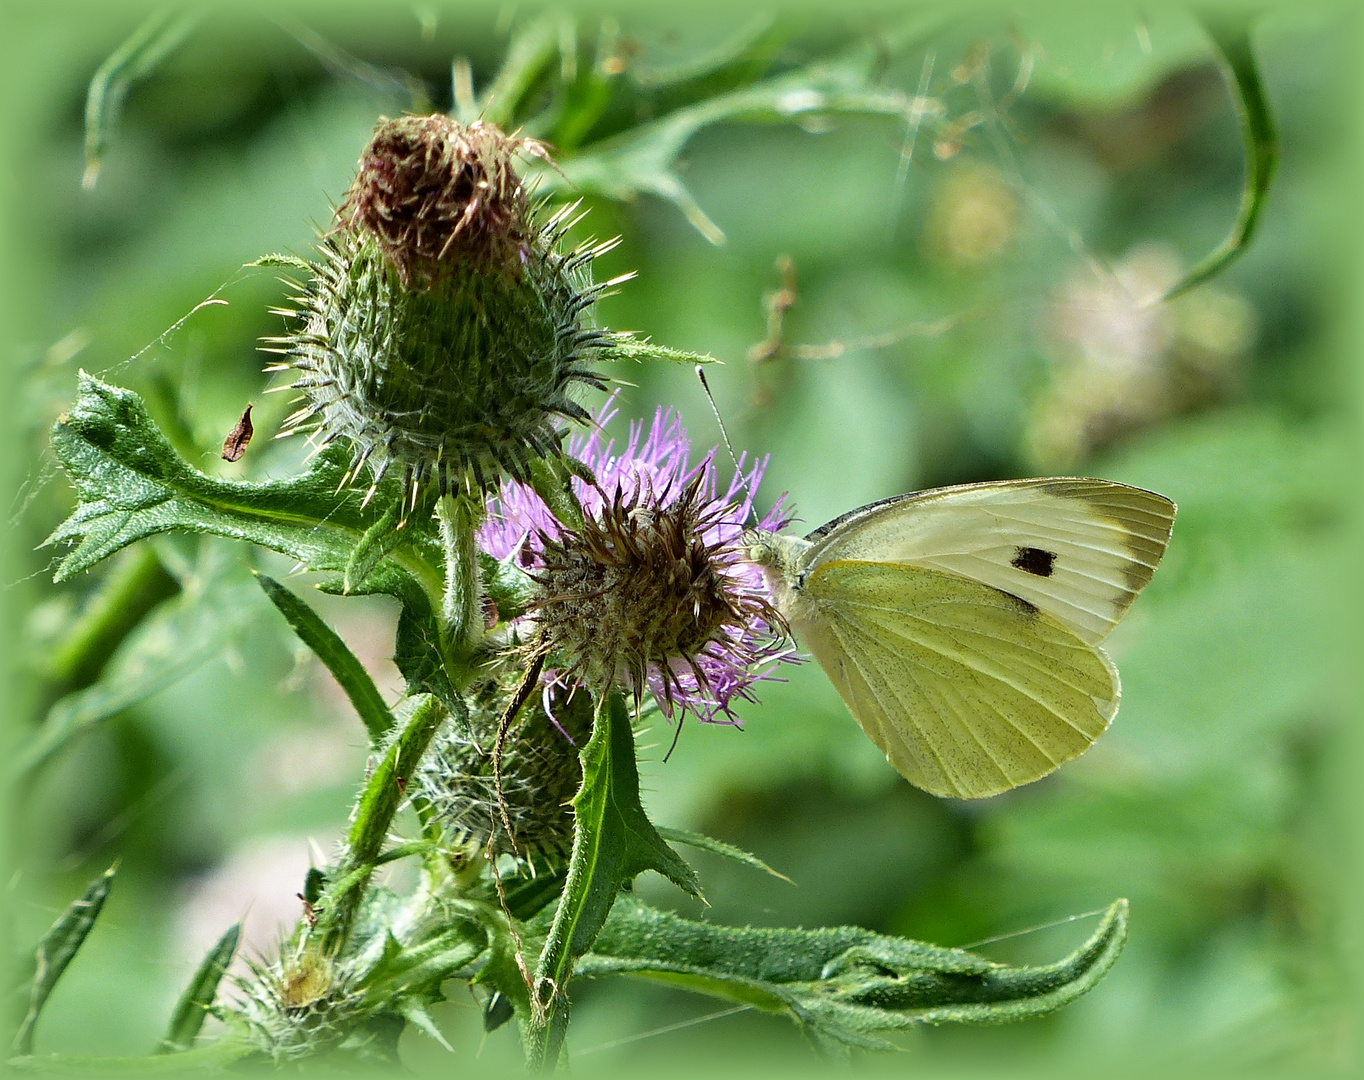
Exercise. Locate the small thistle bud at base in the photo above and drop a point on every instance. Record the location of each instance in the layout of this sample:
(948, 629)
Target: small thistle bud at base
(444, 333)
(298, 1006)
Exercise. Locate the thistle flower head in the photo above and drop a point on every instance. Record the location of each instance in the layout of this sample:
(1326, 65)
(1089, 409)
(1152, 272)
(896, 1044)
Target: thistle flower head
(651, 592)
(434, 193)
(444, 332)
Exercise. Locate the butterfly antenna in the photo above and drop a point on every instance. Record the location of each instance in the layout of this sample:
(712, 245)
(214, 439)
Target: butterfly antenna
(738, 469)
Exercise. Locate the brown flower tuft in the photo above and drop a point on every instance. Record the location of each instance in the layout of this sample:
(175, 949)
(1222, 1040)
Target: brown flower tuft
(432, 191)
(639, 591)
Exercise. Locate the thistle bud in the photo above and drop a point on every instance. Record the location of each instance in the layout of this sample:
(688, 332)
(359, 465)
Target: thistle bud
(299, 1005)
(444, 331)
(540, 773)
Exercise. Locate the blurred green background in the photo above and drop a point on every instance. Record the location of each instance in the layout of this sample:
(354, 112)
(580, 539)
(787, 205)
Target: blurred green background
(969, 304)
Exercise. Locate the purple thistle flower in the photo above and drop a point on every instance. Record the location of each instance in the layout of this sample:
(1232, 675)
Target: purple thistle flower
(655, 470)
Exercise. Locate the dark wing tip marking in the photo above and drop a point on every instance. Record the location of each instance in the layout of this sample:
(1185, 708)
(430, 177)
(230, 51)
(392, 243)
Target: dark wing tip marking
(1034, 561)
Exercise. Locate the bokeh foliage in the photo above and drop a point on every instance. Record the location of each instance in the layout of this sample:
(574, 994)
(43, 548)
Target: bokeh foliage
(954, 319)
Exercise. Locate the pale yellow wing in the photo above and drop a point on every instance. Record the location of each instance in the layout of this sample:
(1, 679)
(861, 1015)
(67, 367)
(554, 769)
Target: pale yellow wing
(969, 691)
(1079, 549)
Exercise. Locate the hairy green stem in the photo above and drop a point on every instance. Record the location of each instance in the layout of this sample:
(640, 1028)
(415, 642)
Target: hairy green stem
(133, 586)
(462, 605)
(379, 801)
(549, 997)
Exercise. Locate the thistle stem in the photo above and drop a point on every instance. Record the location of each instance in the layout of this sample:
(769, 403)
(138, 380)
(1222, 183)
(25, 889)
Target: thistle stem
(549, 1000)
(383, 794)
(462, 605)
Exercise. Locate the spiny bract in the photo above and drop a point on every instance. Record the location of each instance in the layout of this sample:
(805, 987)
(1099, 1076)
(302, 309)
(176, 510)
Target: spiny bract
(443, 330)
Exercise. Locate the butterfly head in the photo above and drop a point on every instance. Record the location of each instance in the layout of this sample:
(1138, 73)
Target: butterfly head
(779, 558)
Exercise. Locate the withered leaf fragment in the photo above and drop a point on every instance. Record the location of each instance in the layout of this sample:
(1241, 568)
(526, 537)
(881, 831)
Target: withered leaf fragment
(234, 446)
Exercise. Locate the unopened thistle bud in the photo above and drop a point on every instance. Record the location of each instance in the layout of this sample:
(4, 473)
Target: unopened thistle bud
(298, 1006)
(540, 773)
(444, 331)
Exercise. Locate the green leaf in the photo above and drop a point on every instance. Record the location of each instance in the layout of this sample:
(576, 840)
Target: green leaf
(718, 847)
(379, 539)
(349, 673)
(212, 1058)
(1230, 33)
(56, 950)
(845, 984)
(531, 51)
(177, 638)
(528, 896)
(413, 970)
(135, 59)
(279, 259)
(552, 480)
(132, 588)
(192, 1008)
(419, 648)
(742, 59)
(613, 842)
(642, 159)
(414, 1012)
(131, 484)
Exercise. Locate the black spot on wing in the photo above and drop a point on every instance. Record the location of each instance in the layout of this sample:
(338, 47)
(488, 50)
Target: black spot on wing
(1034, 561)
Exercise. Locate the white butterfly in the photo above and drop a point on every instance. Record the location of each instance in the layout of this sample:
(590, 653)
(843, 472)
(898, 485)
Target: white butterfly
(962, 625)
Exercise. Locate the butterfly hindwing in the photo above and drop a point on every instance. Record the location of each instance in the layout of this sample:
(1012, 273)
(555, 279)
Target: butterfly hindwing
(1080, 550)
(969, 691)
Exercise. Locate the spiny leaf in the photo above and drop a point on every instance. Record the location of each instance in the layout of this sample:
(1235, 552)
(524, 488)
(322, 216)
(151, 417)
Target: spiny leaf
(627, 347)
(534, 47)
(56, 950)
(1230, 35)
(192, 1009)
(419, 646)
(414, 1012)
(277, 258)
(379, 539)
(845, 983)
(743, 58)
(641, 160)
(718, 847)
(132, 484)
(414, 969)
(613, 842)
(349, 673)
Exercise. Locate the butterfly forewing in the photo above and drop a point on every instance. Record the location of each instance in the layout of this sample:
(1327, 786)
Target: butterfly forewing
(968, 690)
(1078, 549)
